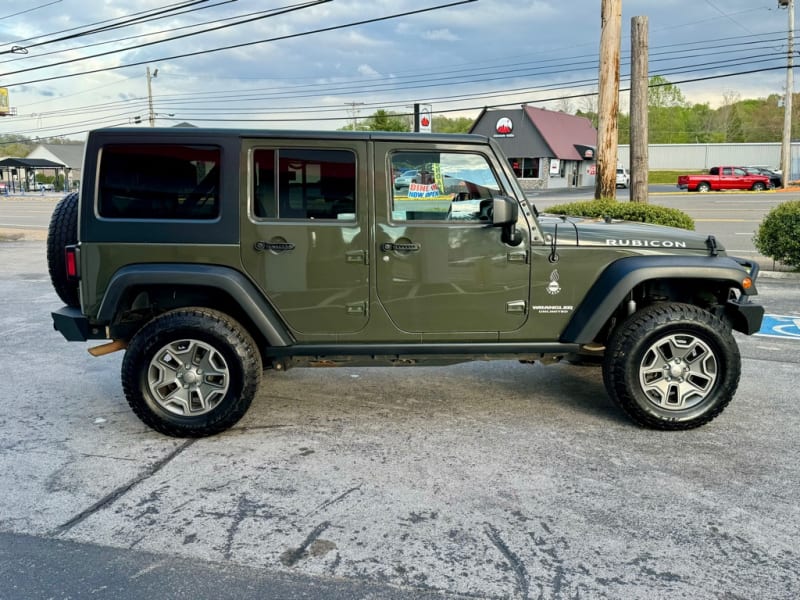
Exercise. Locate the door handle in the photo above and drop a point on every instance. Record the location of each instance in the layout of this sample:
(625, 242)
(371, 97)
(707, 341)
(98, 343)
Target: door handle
(274, 246)
(389, 246)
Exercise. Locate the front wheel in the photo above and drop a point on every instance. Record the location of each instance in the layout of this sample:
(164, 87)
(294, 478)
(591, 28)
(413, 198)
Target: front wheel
(758, 186)
(672, 366)
(191, 372)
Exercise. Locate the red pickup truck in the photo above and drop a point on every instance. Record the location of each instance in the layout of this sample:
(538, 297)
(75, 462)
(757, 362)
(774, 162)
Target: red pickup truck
(723, 178)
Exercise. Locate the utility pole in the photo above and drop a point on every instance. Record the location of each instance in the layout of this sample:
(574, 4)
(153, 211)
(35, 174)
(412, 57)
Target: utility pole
(786, 143)
(150, 96)
(639, 164)
(608, 99)
(354, 112)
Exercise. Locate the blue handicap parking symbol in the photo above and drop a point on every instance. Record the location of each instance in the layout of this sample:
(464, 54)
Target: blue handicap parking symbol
(780, 326)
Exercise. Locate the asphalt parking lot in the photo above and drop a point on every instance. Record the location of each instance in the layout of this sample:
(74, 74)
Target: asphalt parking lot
(481, 480)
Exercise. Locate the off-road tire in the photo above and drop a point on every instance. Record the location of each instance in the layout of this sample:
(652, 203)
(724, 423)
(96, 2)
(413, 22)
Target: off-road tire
(679, 348)
(63, 232)
(154, 373)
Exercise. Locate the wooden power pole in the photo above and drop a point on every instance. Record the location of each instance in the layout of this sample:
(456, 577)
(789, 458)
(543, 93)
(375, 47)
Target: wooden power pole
(608, 99)
(639, 100)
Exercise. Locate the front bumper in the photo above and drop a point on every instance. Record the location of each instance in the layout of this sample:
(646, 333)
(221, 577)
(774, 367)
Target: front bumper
(744, 316)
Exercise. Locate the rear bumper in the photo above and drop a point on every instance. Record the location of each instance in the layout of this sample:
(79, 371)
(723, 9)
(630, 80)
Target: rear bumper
(75, 327)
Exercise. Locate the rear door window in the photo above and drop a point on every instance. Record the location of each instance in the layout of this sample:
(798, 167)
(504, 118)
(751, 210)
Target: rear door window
(301, 183)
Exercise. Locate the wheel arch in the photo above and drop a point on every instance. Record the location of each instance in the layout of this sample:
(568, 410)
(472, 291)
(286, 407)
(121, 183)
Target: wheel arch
(694, 275)
(222, 288)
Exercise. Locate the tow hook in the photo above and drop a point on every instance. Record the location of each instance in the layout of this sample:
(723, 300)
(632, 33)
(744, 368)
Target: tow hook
(108, 348)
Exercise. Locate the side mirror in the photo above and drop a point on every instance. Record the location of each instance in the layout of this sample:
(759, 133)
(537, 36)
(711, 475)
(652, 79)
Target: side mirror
(505, 212)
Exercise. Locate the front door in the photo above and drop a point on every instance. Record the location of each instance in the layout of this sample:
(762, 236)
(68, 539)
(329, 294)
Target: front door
(304, 239)
(441, 266)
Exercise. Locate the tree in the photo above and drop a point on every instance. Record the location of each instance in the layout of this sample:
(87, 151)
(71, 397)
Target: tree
(443, 124)
(383, 120)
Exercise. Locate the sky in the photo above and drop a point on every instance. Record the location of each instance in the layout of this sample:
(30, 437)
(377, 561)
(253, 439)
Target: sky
(75, 65)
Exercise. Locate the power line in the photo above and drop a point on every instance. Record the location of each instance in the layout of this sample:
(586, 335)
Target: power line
(269, 14)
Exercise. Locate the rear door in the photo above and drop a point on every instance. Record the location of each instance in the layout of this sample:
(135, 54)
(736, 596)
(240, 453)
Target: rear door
(304, 238)
(441, 268)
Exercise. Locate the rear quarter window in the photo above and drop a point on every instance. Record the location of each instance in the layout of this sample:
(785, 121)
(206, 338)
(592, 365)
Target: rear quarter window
(159, 181)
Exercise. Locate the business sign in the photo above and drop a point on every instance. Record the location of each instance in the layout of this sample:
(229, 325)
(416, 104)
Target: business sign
(555, 166)
(4, 107)
(425, 120)
(504, 127)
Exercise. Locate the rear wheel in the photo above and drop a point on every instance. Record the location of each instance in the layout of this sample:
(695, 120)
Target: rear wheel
(191, 372)
(672, 366)
(703, 187)
(63, 232)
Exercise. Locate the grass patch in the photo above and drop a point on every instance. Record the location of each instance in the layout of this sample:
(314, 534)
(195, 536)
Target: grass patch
(668, 177)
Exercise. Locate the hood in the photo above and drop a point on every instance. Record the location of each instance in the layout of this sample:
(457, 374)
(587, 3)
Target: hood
(591, 231)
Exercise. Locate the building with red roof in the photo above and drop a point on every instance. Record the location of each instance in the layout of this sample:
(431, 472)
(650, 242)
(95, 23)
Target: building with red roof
(547, 149)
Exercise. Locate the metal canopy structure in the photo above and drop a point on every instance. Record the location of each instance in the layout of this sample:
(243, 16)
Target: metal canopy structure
(30, 165)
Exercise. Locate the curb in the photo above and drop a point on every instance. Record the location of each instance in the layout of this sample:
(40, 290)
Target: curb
(793, 275)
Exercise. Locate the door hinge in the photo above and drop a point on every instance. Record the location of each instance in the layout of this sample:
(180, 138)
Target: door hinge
(517, 306)
(356, 256)
(356, 308)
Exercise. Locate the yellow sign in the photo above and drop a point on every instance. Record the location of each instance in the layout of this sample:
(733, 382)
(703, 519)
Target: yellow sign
(4, 109)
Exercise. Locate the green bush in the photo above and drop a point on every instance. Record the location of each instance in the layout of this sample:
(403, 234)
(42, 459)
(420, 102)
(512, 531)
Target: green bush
(778, 236)
(628, 211)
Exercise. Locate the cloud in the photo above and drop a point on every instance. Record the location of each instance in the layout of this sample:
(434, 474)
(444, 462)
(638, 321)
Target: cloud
(477, 54)
(440, 35)
(367, 71)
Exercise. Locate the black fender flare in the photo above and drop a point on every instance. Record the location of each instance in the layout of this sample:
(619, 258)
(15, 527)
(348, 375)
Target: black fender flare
(623, 275)
(249, 298)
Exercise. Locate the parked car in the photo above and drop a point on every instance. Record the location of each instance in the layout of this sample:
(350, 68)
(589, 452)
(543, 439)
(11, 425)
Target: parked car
(775, 179)
(623, 178)
(406, 179)
(45, 187)
(723, 178)
(206, 285)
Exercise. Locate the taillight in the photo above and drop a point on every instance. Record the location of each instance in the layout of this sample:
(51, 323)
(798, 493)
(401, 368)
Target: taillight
(71, 262)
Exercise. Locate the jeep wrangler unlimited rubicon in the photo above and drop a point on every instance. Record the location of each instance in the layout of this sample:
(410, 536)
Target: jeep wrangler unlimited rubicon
(212, 255)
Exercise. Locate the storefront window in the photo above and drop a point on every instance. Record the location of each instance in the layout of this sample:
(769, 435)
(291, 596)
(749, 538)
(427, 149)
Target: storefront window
(527, 168)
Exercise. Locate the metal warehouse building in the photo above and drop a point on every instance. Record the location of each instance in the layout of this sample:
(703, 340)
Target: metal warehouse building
(701, 157)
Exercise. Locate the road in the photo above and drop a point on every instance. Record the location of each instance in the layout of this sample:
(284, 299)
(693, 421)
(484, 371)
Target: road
(481, 480)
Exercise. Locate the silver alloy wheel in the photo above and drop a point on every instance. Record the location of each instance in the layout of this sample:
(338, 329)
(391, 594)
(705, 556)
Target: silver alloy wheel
(678, 372)
(188, 377)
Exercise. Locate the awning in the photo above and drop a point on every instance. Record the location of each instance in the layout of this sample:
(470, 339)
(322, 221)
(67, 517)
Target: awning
(586, 152)
(30, 163)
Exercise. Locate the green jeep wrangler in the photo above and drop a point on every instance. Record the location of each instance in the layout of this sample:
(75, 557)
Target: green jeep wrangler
(211, 255)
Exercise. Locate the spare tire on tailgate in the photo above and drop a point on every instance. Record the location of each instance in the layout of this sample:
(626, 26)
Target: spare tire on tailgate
(63, 232)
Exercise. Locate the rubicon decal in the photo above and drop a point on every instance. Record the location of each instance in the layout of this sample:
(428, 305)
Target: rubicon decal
(647, 243)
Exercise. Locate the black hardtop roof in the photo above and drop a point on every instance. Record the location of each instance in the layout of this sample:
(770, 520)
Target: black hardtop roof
(144, 133)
